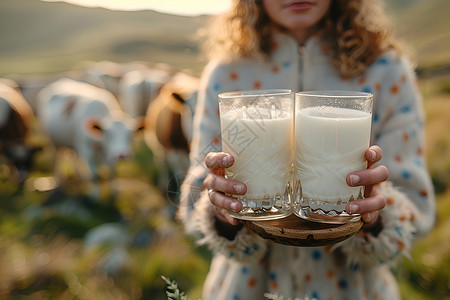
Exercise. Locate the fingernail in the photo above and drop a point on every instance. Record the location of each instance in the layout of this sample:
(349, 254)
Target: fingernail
(226, 160)
(233, 206)
(354, 180)
(238, 188)
(353, 208)
(373, 155)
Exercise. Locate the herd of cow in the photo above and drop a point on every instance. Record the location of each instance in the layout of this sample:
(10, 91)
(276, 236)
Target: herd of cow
(97, 112)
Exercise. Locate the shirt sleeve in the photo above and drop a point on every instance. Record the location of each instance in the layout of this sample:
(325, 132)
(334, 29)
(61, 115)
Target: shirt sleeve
(195, 211)
(398, 128)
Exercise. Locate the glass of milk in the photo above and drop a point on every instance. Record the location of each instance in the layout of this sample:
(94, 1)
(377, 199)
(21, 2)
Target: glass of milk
(332, 132)
(257, 129)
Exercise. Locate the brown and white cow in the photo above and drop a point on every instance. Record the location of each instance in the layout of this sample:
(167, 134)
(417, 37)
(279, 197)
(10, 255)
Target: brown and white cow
(87, 119)
(16, 119)
(168, 124)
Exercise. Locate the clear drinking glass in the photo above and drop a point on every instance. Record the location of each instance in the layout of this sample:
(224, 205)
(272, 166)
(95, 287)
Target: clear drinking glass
(257, 129)
(332, 132)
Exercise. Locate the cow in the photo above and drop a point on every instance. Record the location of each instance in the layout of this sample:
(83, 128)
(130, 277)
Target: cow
(87, 119)
(103, 74)
(140, 87)
(16, 121)
(168, 126)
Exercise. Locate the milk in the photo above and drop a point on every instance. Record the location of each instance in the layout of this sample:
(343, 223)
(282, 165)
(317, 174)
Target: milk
(330, 143)
(260, 139)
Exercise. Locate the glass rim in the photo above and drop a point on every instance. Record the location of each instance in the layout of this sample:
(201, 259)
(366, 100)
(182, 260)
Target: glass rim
(335, 94)
(253, 93)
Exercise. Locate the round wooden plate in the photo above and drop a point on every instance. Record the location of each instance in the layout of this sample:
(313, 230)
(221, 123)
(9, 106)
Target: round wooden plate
(295, 231)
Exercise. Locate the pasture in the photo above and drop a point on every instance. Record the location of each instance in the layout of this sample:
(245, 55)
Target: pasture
(47, 226)
(62, 237)
(425, 275)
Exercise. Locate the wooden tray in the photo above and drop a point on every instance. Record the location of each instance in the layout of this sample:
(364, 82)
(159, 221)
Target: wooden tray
(295, 231)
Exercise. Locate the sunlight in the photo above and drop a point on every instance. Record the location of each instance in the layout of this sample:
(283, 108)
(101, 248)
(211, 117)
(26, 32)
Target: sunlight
(179, 7)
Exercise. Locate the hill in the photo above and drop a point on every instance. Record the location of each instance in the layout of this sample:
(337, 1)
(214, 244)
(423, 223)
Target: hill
(423, 25)
(45, 37)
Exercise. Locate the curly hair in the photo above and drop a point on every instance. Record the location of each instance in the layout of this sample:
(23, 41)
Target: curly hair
(353, 32)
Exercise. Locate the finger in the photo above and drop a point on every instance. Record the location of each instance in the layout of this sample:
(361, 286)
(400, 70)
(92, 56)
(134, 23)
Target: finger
(230, 219)
(366, 205)
(368, 176)
(219, 160)
(221, 184)
(368, 190)
(370, 218)
(373, 155)
(223, 216)
(222, 201)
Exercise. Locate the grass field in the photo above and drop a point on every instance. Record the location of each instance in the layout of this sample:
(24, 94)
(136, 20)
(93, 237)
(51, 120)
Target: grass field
(426, 274)
(47, 249)
(48, 225)
(65, 243)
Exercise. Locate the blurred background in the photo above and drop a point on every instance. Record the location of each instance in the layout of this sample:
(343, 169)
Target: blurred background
(75, 231)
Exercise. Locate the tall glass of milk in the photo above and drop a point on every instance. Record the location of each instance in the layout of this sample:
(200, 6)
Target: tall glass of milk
(257, 129)
(332, 132)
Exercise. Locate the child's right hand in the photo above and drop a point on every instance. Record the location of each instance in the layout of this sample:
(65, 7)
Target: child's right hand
(218, 186)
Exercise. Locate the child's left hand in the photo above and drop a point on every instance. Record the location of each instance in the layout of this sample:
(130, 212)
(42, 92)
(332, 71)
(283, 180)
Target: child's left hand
(371, 179)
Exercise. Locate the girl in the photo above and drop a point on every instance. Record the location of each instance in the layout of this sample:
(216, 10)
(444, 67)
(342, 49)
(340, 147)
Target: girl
(311, 45)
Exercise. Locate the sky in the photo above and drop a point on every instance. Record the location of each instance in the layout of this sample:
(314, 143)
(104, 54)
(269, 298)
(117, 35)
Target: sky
(181, 7)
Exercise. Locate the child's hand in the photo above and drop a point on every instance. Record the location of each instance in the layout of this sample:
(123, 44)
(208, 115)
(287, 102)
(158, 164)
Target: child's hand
(370, 178)
(368, 207)
(218, 186)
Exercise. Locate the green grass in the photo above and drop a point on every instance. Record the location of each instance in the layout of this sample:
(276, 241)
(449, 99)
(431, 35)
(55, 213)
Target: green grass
(425, 275)
(42, 238)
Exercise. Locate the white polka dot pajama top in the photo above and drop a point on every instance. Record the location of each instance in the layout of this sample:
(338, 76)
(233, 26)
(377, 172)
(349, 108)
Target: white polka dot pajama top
(247, 267)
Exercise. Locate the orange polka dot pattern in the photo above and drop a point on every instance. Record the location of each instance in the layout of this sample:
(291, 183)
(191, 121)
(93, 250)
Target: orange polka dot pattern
(332, 272)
